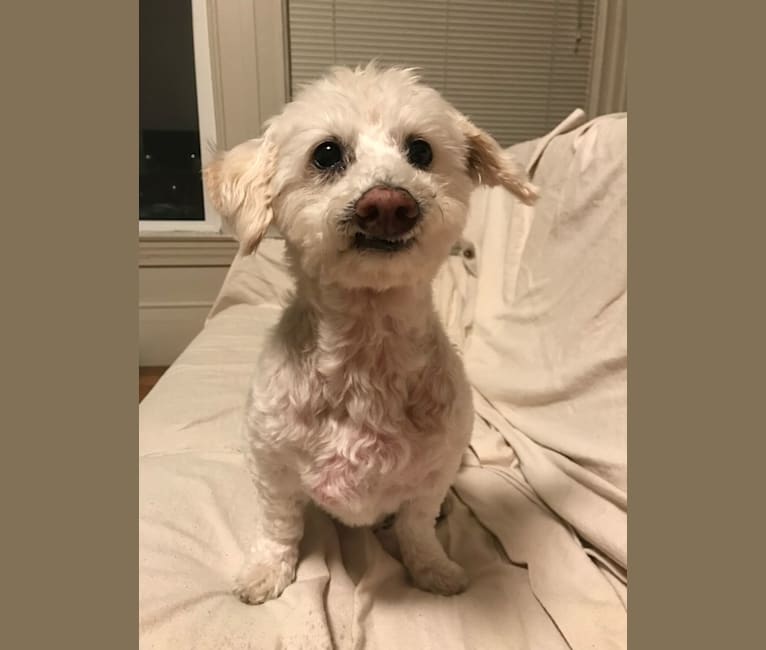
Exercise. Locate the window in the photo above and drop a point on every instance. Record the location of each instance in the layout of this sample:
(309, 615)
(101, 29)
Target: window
(176, 118)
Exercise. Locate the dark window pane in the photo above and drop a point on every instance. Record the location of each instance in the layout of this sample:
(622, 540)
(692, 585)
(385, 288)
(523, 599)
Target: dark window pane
(170, 185)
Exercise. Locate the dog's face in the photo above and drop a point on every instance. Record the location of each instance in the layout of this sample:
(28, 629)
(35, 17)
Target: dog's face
(367, 175)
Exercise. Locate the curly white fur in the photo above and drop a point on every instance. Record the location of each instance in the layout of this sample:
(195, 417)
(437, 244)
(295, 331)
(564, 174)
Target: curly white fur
(360, 402)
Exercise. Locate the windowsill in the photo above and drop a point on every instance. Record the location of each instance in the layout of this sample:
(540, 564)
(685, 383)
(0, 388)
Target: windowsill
(183, 234)
(185, 248)
(160, 227)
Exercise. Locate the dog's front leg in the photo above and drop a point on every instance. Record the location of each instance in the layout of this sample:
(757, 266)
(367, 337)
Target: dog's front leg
(270, 565)
(421, 551)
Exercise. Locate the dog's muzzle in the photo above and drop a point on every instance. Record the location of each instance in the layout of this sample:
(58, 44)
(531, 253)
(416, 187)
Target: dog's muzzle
(385, 216)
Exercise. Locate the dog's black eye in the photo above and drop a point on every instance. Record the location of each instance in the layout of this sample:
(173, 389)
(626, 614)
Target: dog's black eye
(328, 155)
(419, 153)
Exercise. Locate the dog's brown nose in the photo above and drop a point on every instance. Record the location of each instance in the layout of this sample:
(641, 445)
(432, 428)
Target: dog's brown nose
(386, 212)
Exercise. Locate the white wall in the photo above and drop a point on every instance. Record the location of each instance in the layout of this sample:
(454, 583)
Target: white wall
(178, 280)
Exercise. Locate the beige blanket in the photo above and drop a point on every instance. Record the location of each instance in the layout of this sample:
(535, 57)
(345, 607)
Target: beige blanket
(536, 298)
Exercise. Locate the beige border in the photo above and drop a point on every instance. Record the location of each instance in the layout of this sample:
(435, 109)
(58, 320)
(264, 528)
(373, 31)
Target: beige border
(70, 199)
(696, 328)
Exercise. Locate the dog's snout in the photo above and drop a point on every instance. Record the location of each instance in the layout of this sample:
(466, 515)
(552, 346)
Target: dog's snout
(386, 212)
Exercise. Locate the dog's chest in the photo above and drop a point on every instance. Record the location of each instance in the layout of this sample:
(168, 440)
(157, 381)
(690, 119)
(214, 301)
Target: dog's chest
(382, 434)
(364, 473)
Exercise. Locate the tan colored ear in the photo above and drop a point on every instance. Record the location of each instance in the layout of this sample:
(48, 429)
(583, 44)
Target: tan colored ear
(489, 164)
(239, 185)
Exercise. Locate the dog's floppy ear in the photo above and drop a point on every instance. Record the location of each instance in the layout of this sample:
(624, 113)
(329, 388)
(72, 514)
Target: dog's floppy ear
(239, 185)
(488, 164)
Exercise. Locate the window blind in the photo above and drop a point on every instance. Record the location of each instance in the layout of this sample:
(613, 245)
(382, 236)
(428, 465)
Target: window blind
(514, 67)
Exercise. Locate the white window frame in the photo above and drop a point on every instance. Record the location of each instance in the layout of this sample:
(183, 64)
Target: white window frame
(207, 129)
(238, 87)
(206, 124)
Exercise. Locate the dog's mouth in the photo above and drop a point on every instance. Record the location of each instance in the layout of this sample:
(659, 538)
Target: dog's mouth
(366, 242)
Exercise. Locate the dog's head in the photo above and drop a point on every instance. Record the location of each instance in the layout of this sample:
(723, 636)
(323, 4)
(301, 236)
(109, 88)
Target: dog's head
(367, 174)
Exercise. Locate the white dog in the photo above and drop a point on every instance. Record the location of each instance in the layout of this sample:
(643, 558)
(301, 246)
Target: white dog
(360, 402)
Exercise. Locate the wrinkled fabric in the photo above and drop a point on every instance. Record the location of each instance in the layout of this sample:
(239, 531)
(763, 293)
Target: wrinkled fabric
(536, 300)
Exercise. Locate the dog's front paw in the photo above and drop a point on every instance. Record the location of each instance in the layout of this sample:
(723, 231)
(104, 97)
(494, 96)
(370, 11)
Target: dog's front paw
(443, 577)
(259, 582)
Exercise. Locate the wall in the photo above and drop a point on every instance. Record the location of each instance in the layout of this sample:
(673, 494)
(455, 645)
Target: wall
(178, 280)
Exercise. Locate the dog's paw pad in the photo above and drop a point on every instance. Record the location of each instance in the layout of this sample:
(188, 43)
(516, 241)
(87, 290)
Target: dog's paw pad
(446, 578)
(258, 583)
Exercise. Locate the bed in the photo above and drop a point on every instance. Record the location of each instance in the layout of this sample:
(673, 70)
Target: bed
(535, 298)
